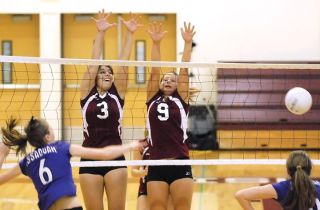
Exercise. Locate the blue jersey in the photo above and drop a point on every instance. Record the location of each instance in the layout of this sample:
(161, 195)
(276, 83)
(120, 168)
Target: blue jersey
(50, 171)
(282, 189)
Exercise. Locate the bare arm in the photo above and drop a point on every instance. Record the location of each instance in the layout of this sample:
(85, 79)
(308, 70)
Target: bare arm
(156, 33)
(138, 171)
(121, 75)
(245, 196)
(10, 174)
(4, 151)
(187, 34)
(88, 79)
(106, 153)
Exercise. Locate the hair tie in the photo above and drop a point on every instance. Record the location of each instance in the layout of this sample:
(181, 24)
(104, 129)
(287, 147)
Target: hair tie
(298, 167)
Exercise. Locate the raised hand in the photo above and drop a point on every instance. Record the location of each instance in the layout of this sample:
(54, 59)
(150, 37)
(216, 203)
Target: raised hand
(133, 23)
(102, 21)
(187, 32)
(156, 32)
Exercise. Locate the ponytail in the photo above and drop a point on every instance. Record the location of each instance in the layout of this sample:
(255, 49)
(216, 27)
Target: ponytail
(303, 193)
(35, 132)
(13, 138)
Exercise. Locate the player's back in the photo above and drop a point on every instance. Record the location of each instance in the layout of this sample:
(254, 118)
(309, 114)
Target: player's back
(50, 171)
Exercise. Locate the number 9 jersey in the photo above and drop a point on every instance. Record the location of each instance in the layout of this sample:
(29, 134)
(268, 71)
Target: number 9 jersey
(102, 116)
(167, 126)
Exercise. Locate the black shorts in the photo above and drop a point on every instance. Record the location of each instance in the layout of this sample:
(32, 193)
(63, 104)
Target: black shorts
(168, 174)
(99, 170)
(142, 186)
(75, 208)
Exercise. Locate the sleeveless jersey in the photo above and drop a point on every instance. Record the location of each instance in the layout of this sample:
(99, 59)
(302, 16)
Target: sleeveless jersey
(143, 184)
(50, 171)
(102, 116)
(145, 154)
(282, 189)
(167, 126)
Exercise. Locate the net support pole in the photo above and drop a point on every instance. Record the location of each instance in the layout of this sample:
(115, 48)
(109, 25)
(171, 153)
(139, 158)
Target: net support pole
(51, 76)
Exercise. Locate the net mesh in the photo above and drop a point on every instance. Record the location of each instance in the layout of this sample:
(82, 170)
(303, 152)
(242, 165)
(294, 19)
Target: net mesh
(236, 106)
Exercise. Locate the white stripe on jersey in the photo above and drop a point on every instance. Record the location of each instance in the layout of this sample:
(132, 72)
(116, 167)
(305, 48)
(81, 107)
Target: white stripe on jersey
(144, 151)
(148, 122)
(120, 110)
(318, 204)
(184, 117)
(84, 110)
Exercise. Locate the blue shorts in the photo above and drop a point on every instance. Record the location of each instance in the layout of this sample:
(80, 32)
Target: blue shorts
(99, 170)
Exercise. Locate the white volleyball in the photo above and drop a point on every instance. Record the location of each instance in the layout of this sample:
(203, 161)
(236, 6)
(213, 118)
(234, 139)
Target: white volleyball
(298, 100)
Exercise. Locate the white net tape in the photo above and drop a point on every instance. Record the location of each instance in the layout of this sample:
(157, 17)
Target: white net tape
(67, 61)
(199, 66)
(176, 162)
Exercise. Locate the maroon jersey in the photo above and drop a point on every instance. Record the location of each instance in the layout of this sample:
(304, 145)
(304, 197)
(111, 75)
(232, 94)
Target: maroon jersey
(102, 115)
(145, 154)
(167, 126)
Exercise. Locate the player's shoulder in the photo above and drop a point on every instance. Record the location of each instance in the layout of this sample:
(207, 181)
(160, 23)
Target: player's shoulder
(316, 183)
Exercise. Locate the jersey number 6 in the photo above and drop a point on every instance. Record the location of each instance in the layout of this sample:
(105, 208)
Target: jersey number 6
(44, 170)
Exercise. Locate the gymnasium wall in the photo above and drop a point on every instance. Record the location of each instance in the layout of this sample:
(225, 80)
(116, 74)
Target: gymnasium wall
(24, 35)
(78, 36)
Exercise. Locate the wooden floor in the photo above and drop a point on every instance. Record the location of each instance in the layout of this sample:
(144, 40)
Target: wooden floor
(213, 190)
(20, 194)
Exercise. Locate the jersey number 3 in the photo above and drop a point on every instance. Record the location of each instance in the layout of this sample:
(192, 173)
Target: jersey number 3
(163, 110)
(104, 110)
(44, 170)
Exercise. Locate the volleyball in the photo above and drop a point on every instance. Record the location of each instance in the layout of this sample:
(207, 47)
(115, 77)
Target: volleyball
(298, 100)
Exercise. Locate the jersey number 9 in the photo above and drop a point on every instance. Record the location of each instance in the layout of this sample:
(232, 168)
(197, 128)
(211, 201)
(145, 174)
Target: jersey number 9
(163, 110)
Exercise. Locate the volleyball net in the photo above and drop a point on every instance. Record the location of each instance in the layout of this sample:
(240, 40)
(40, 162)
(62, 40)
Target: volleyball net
(236, 106)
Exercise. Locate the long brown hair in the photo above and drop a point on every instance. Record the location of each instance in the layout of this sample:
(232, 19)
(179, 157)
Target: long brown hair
(35, 132)
(302, 194)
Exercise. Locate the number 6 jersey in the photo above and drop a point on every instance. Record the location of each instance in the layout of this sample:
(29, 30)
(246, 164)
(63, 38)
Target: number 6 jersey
(102, 116)
(50, 171)
(167, 126)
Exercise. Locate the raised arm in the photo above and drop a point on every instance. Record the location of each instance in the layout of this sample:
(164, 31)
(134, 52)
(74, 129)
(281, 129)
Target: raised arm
(183, 81)
(156, 33)
(106, 153)
(11, 173)
(121, 74)
(245, 196)
(88, 80)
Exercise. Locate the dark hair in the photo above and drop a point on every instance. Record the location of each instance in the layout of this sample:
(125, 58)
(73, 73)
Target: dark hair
(35, 131)
(110, 68)
(302, 194)
(171, 72)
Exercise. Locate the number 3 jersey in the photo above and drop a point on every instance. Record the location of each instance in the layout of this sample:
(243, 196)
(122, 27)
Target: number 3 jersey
(102, 116)
(167, 126)
(50, 171)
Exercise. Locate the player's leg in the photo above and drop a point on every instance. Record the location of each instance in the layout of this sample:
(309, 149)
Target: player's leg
(142, 203)
(116, 188)
(92, 187)
(181, 193)
(158, 192)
